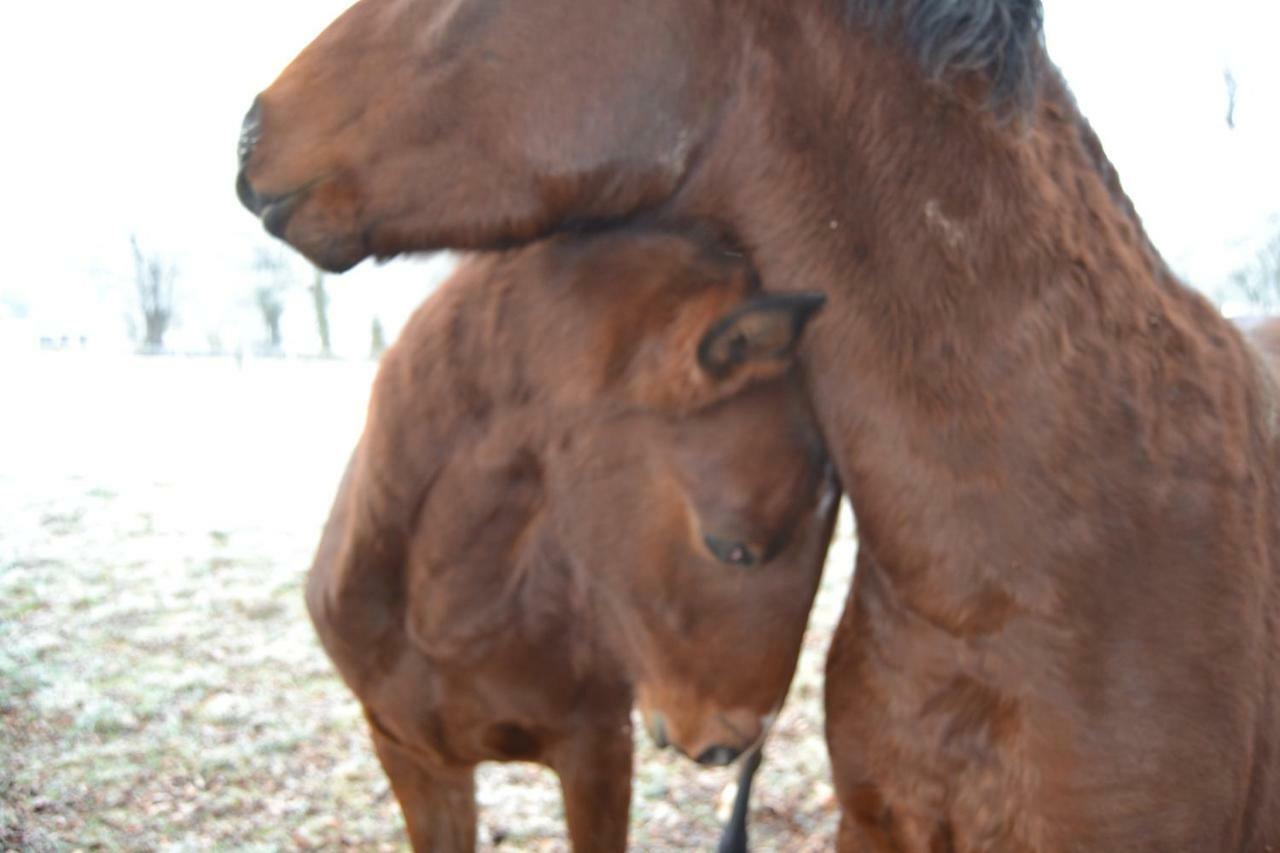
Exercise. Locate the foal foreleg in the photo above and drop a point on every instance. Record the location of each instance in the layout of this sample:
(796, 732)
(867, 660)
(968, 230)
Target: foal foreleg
(734, 837)
(439, 803)
(595, 779)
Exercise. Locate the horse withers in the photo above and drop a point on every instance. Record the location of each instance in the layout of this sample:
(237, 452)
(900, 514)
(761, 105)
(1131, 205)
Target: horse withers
(564, 504)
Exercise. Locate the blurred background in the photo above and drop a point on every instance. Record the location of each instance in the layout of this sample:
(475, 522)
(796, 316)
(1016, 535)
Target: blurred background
(178, 394)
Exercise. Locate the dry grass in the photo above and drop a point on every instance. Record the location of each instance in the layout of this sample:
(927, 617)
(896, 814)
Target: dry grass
(160, 687)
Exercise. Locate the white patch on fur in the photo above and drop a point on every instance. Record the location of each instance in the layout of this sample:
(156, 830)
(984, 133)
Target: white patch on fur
(948, 229)
(677, 157)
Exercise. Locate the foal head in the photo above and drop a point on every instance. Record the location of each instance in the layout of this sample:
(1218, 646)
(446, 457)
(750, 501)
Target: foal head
(684, 476)
(710, 553)
(659, 454)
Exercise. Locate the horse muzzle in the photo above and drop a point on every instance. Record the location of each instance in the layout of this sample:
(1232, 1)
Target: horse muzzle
(274, 211)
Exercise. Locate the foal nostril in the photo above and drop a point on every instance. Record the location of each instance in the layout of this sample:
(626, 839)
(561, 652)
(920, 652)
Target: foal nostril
(718, 756)
(250, 131)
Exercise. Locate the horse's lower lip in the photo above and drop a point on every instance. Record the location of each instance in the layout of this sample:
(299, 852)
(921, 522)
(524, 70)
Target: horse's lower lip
(276, 212)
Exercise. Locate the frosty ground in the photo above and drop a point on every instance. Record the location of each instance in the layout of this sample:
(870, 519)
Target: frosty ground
(160, 686)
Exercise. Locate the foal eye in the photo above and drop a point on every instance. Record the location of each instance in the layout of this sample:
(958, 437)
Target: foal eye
(733, 553)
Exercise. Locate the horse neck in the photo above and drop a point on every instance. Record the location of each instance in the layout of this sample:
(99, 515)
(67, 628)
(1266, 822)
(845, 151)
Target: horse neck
(946, 214)
(970, 262)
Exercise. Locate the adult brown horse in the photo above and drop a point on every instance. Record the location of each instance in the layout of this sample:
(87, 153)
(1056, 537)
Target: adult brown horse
(1063, 462)
(563, 501)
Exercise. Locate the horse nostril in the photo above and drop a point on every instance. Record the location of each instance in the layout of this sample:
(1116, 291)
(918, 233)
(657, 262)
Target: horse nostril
(718, 756)
(250, 131)
(658, 731)
(246, 194)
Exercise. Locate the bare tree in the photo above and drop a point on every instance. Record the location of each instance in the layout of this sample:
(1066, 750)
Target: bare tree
(1230, 80)
(321, 301)
(1259, 282)
(154, 279)
(269, 294)
(271, 307)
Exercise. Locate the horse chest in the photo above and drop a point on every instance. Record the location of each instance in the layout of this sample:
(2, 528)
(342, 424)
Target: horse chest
(938, 744)
(939, 770)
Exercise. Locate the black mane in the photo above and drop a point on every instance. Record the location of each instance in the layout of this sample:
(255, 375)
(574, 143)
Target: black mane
(998, 38)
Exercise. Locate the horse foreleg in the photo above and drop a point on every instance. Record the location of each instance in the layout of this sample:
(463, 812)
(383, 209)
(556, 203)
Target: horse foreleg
(439, 803)
(734, 837)
(595, 779)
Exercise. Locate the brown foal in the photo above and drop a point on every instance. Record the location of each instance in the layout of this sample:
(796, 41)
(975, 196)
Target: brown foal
(569, 498)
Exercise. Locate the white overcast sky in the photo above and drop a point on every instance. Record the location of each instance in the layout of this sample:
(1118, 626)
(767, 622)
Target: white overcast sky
(122, 116)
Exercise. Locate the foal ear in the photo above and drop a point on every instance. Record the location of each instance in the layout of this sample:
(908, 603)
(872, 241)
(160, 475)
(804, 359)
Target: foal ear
(763, 330)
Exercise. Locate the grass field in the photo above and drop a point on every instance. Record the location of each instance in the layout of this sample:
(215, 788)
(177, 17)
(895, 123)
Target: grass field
(160, 687)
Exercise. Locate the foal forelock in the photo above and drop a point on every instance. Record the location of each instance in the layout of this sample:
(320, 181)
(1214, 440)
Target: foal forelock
(1001, 39)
